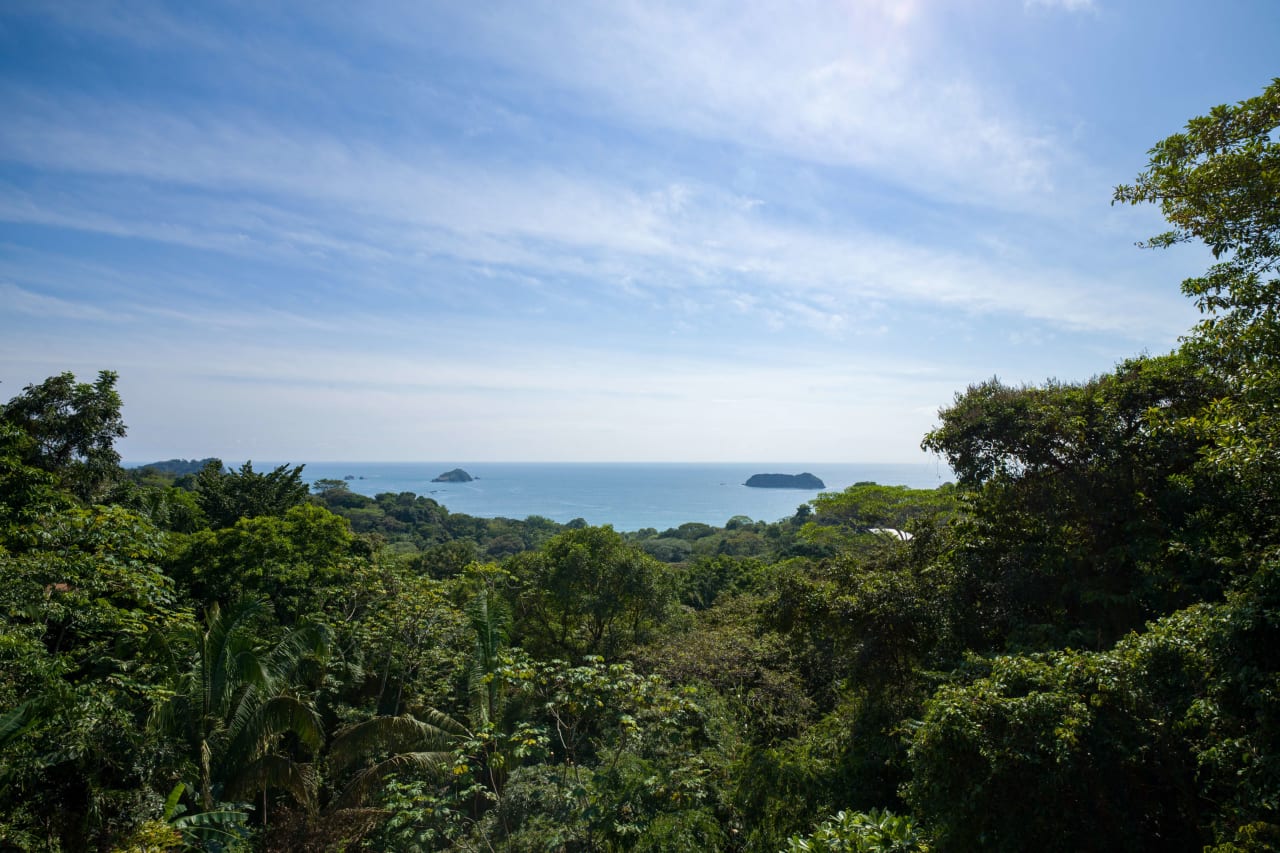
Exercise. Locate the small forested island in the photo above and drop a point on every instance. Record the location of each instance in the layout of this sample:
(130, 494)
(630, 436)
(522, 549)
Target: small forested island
(457, 475)
(785, 481)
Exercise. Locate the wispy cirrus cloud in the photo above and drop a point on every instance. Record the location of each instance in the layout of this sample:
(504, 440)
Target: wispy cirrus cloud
(849, 85)
(22, 301)
(244, 187)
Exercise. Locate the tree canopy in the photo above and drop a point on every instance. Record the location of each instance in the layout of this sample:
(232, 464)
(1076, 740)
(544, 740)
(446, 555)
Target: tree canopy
(1218, 182)
(71, 429)
(226, 496)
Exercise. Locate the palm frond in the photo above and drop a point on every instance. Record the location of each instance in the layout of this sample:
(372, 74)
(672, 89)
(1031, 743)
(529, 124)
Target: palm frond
(443, 721)
(309, 638)
(256, 727)
(230, 656)
(243, 664)
(220, 628)
(238, 717)
(358, 789)
(16, 722)
(281, 714)
(490, 618)
(274, 772)
(381, 735)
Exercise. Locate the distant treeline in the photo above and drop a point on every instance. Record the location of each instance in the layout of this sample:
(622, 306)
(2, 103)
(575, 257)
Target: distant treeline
(174, 467)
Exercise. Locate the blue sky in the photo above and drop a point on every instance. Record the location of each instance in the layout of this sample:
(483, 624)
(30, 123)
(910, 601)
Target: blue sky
(589, 231)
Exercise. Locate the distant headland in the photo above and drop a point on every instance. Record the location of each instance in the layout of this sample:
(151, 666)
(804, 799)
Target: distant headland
(785, 481)
(178, 467)
(457, 475)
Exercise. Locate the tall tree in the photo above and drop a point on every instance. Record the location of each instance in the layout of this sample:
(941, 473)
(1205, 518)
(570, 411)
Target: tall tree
(1170, 738)
(227, 496)
(298, 560)
(72, 427)
(27, 493)
(1087, 514)
(84, 613)
(588, 592)
(1219, 182)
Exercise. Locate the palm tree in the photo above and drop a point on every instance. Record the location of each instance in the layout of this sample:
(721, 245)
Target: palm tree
(237, 702)
(422, 744)
(490, 618)
(414, 744)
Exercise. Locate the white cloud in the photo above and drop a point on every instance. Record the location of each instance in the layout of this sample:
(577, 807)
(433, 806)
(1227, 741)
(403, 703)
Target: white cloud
(237, 185)
(22, 301)
(845, 84)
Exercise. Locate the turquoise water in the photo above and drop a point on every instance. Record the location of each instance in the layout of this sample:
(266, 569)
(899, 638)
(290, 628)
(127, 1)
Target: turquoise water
(629, 496)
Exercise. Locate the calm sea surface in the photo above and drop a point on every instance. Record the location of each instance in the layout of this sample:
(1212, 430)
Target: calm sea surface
(629, 496)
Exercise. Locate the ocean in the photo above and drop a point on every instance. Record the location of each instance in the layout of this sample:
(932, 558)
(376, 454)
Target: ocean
(629, 496)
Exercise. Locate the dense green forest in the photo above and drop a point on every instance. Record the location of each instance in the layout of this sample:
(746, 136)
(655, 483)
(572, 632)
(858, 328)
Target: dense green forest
(1077, 649)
